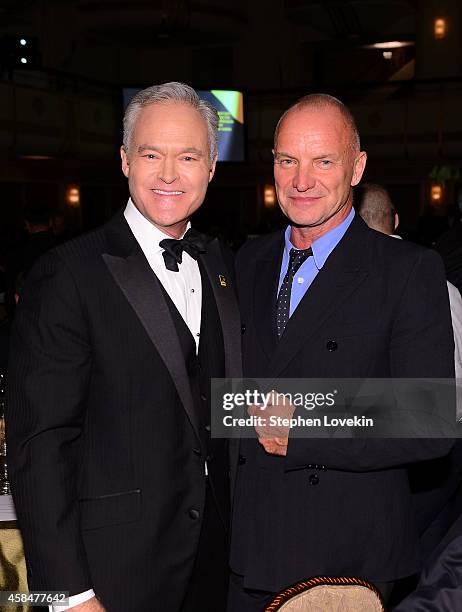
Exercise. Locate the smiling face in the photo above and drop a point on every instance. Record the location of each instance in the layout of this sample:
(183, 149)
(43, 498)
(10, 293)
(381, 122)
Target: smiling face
(168, 164)
(315, 168)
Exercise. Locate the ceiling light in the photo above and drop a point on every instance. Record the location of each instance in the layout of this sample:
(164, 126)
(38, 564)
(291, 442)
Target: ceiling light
(390, 44)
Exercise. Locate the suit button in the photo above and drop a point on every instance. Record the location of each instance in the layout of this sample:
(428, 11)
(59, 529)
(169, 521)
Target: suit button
(243, 329)
(203, 397)
(331, 346)
(313, 479)
(194, 514)
(241, 460)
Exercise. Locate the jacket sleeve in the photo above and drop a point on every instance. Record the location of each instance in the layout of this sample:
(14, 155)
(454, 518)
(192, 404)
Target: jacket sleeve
(48, 375)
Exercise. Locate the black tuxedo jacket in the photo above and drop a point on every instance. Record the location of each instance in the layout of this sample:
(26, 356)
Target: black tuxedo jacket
(105, 449)
(382, 304)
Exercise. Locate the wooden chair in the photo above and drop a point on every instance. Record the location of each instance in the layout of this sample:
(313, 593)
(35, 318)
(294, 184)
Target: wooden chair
(328, 594)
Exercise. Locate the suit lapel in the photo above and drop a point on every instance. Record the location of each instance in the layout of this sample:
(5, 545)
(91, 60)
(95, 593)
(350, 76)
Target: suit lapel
(142, 289)
(342, 273)
(225, 298)
(267, 271)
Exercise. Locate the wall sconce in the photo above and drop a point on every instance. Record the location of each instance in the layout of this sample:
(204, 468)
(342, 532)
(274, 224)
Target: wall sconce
(73, 196)
(439, 28)
(387, 55)
(436, 193)
(269, 196)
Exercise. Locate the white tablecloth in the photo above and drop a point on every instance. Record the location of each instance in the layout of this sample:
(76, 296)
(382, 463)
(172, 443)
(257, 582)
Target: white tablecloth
(7, 511)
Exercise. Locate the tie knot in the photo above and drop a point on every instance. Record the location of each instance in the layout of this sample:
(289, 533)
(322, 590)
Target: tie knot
(297, 257)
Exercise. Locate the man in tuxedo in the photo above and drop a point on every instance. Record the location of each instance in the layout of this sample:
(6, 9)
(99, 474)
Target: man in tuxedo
(330, 298)
(121, 494)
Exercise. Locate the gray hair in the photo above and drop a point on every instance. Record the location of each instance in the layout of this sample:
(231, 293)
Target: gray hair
(171, 92)
(321, 100)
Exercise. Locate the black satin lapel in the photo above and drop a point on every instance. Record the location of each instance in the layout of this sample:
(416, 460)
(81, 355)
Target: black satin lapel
(265, 298)
(142, 289)
(225, 298)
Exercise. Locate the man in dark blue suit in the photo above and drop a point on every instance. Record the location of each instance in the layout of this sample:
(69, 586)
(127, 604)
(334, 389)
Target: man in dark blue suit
(330, 298)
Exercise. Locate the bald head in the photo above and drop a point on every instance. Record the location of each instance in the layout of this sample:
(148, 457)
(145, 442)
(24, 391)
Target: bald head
(374, 205)
(320, 102)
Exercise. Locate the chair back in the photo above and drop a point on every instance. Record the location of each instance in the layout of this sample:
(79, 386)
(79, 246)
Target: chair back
(328, 594)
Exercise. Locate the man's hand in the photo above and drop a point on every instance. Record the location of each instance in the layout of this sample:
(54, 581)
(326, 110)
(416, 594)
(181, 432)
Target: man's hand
(92, 605)
(273, 431)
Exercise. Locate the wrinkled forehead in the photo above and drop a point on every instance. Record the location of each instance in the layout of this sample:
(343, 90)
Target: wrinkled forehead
(315, 126)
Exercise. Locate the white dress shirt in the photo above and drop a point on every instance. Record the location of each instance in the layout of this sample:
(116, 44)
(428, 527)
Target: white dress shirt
(183, 287)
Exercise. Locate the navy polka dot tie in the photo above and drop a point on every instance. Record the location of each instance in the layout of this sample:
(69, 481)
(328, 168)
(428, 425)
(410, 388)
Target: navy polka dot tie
(296, 258)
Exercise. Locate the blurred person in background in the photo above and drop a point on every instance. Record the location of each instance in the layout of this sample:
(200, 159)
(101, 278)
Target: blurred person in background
(40, 239)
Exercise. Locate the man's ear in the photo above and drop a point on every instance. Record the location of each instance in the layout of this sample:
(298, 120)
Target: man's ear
(359, 166)
(212, 167)
(125, 162)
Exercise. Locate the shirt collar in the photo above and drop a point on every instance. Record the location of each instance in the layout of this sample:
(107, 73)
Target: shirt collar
(323, 246)
(147, 235)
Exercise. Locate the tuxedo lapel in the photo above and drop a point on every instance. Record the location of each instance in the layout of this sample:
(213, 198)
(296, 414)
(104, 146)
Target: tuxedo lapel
(225, 298)
(143, 291)
(340, 276)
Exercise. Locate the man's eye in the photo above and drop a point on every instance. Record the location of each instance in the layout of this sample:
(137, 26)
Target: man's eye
(150, 156)
(325, 163)
(286, 162)
(188, 158)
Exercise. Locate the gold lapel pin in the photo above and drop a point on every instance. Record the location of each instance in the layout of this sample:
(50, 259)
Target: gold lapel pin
(222, 280)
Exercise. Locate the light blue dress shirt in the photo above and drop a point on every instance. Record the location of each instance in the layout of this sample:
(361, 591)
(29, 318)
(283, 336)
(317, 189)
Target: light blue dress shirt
(322, 248)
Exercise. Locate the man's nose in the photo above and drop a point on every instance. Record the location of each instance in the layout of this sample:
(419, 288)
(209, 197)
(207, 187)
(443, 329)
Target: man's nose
(168, 171)
(304, 178)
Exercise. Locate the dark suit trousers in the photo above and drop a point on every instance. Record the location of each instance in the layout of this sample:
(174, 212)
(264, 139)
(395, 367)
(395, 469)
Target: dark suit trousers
(207, 590)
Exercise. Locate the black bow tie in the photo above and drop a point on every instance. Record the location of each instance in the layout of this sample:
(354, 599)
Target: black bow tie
(193, 243)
